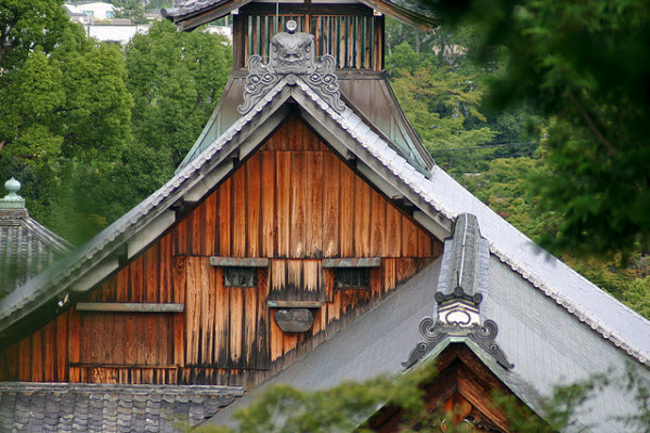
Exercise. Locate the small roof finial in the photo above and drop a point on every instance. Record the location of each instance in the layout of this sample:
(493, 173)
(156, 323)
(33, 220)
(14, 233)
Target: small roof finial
(291, 26)
(12, 200)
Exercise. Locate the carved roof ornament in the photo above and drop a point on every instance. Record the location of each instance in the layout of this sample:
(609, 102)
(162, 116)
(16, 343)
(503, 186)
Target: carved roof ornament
(462, 279)
(293, 56)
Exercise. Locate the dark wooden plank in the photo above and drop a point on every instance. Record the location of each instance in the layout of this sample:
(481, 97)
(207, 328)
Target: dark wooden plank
(347, 209)
(268, 203)
(393, 244)
(331, 199)
(49, 352)
(378, 224)
(283, 202)
(193, 310)
(62, 338)
(298, 205)
(362, 221)
(254, 205)
(239, 214)
(224, 217)
(142, 307)
(315, 187)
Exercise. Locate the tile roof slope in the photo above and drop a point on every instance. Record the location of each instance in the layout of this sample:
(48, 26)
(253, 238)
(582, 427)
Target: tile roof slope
(607, 316)
(26, 246)
(414, 11)
(84, 407)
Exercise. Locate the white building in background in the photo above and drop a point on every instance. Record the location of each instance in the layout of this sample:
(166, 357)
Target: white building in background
(123, 34)
(100, 23)
(89, 12)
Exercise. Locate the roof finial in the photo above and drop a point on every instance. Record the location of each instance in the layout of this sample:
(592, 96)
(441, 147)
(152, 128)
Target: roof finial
(12, 200)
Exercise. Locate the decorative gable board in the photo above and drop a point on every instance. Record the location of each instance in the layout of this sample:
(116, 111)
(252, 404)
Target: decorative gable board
(293, 202)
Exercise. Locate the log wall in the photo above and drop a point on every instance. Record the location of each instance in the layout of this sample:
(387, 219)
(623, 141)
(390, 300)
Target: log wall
(293, 202)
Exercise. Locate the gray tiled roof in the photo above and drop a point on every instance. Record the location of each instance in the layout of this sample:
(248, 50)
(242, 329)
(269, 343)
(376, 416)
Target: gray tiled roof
(26, 247)
(68, 407)
(411, 11)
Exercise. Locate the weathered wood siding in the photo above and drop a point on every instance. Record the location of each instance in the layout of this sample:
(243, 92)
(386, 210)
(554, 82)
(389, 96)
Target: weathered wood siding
(293, 202)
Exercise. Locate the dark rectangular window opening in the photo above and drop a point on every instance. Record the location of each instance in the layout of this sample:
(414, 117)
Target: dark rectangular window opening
(352, 278)
(236, 276)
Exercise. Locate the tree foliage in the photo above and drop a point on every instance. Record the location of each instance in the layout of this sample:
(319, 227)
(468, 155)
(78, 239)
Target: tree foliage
(585, 64)
(176, 80)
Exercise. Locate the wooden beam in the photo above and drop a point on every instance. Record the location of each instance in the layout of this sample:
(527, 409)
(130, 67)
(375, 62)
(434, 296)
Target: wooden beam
(294, 304)
(116, 307)
(239, 262)
(351, 262)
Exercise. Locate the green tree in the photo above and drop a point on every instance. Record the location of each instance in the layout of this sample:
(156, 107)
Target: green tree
(176, 80)
(586, 65)
(440, 103)
(131, 9)
(64, 110)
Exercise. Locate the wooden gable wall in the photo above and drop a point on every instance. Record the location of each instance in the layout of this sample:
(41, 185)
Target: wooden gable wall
(293, 202)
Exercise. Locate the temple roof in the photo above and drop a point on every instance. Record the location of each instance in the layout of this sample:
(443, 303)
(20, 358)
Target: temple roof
(553, 324)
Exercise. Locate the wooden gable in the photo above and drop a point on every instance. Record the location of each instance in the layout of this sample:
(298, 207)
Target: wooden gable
(462, 393)
(293, 210)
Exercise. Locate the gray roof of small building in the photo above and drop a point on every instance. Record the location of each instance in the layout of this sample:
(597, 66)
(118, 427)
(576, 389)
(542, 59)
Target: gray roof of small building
(26, 247)
(84, 407)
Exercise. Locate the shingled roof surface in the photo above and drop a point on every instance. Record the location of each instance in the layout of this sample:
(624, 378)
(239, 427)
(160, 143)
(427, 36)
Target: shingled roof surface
(410, 11)
(26, 247)
(68, 407)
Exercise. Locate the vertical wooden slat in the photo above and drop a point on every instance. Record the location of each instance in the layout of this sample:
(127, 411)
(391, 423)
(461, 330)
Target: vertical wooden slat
(362, 219)
(378, 224)
(49, 358)
(119, 333)
(250, 327)
(37, 356)
(207, 238)
(268, 203)
(236, 326)
(179, 281)
(315, 186)
(347, 208)
(239, 214)
(409, 238)
(224, 218)
(331, 205)
(222, 321)
(253, 202)
(298, 204)
(62, 339)
(193, 310)
(165, 269)
(283, 167)
(393, 244)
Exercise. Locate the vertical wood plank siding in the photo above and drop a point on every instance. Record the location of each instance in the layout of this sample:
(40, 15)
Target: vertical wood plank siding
(293, 202)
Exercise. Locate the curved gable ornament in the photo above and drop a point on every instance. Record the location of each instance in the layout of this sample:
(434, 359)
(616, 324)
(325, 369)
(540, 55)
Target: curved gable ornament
(292, 56)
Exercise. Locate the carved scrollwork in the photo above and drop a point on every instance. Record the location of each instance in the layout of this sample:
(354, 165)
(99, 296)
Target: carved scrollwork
(484, 336)
(292, 56)
(258, 83)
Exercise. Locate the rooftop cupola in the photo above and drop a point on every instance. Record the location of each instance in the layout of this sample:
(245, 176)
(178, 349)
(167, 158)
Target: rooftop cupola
(350, 31)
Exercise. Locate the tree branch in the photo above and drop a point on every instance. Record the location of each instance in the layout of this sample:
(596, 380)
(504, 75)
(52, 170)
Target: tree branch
(590, 123)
